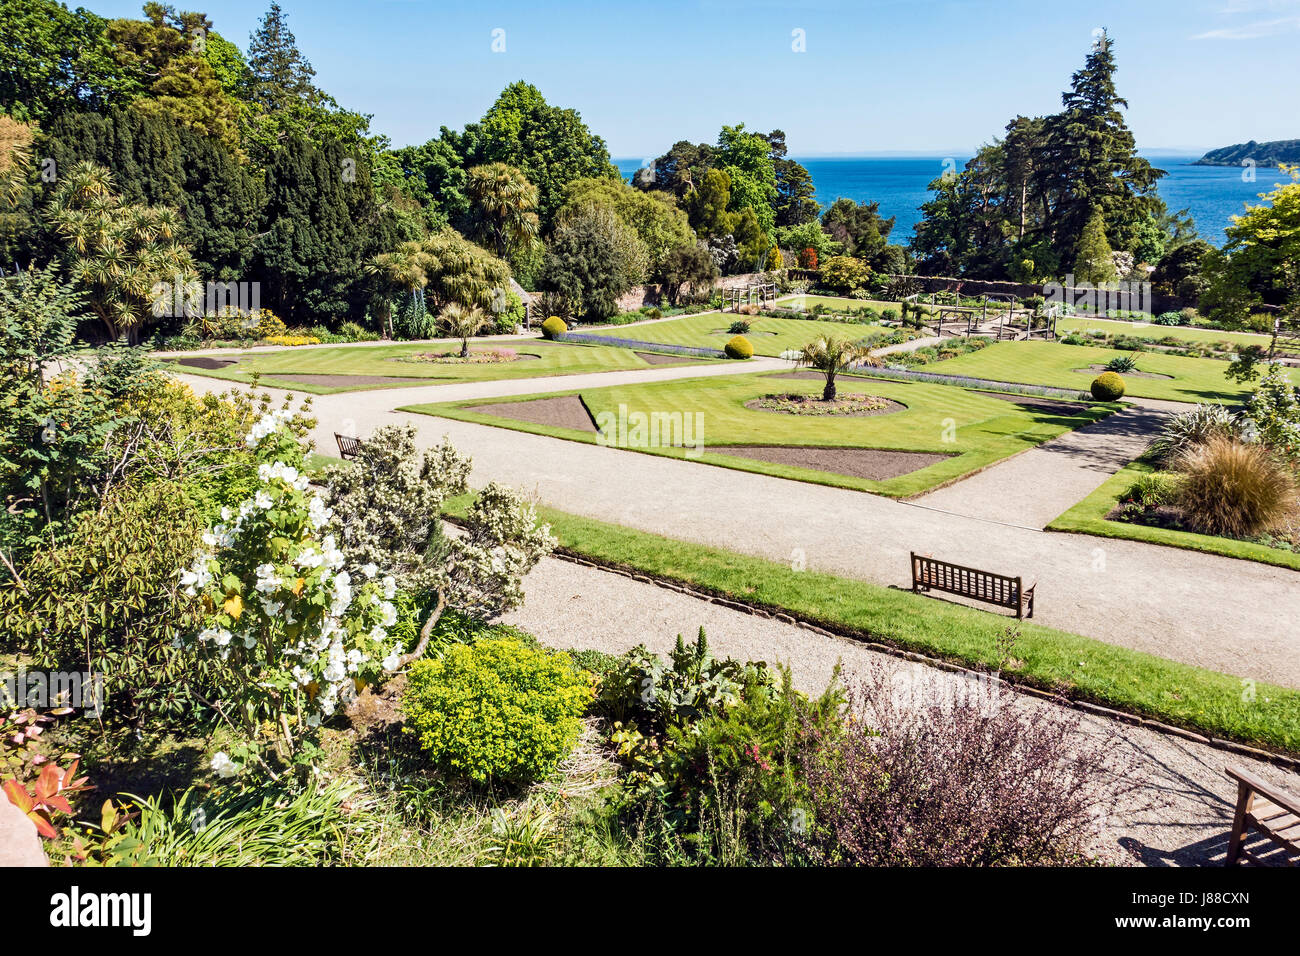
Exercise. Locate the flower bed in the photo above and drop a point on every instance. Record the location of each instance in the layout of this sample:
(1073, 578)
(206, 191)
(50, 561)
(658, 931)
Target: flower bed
(796, 403)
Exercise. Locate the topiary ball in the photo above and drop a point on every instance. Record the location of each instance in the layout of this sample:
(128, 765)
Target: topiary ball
(1108, 387)
(553, 326)
(739, 348)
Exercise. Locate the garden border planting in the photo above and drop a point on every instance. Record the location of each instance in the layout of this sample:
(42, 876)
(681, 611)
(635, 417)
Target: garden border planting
(589, 339)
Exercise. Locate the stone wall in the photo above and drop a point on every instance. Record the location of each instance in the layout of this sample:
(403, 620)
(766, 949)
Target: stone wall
(653, 295)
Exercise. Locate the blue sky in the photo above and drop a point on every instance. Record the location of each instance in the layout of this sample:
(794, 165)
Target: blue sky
(907, 76)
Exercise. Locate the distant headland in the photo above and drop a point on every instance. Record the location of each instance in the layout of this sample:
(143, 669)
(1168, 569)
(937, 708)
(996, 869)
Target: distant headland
(1261, 154)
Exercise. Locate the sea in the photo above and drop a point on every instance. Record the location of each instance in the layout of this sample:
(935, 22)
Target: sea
(1210, 194)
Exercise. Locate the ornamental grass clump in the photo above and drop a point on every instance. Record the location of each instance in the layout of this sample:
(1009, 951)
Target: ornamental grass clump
(1186, 430)
(497, 711)
(1233, 489)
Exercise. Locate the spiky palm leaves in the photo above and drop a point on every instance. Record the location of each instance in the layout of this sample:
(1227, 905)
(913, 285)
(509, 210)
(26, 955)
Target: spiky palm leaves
(830, 356)
(462, 322)
(451, 267)
(506, 204)
(124, 254)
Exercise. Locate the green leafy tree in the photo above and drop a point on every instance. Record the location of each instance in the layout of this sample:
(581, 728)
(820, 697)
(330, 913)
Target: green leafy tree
(678, 171)
(747, 159)
(859, 228)
(1094, 261)
(687, 267)
(660, 225)
(54, 60)
(794, 203)
(593, 258)
(706, 204)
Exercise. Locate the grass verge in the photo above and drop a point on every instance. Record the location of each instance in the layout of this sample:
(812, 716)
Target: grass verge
(1089, 517)
(1068, 664)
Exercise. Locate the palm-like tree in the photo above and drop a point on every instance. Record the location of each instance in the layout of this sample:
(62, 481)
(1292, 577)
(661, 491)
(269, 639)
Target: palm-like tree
(461, 323)
(506, 204)
(121, 252)
(830, 356)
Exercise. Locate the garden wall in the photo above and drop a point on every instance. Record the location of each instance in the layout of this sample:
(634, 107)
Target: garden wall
(641, 295)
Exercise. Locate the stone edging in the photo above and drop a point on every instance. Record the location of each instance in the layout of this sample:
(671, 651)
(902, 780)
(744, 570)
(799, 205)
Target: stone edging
(1218, 743)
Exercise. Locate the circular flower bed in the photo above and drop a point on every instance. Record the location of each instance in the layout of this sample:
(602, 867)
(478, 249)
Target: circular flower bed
(795, 403)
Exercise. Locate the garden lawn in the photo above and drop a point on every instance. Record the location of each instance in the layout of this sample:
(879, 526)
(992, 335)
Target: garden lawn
(833, 302)
(709, 330)
(387, 361)
(1186, 333)
(1051, 363)
(1068, 664)
(1089, 517)
(981, 429)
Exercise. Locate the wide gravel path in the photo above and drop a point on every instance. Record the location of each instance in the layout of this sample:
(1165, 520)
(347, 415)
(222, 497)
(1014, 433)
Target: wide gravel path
(1230, 615)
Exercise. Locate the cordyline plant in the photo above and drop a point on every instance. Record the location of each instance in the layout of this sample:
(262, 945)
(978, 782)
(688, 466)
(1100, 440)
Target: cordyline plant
(389, 501)
(830, 356)
(293, 627)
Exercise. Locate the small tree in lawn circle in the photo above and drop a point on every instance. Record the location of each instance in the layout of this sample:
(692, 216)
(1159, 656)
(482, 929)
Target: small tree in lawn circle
(462, 322)
(830, 356)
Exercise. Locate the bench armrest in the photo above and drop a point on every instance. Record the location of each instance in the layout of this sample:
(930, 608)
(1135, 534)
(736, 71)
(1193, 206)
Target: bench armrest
(1282, 798)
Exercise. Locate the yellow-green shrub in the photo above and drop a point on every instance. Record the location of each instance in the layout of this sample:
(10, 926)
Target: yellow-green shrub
(553, 326)
(1108, 386)
(739, 348)
(291, 340)
(497, 711)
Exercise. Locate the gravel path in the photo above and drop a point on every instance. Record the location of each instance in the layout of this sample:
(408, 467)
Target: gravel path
(1036, 486)
(1229, 615)
(1180, 815)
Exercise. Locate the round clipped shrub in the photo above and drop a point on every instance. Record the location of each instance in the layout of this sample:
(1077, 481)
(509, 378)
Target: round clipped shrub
(739, 348)
(1108, 387)
(497, 711)
(553, 326)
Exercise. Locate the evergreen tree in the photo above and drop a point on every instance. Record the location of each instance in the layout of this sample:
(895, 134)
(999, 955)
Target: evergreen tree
(281, 75)
(1094, 260)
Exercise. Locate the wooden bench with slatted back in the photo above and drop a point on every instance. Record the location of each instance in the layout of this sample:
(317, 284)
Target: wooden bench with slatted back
(349, 447)
(932, 574)
(1267, 810)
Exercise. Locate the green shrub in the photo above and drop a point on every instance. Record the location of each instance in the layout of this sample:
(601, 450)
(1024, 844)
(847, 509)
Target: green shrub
(1168, 318)
(739, 327)
(1230, 488)
(553, 326)
(497, 711)
(1108, 387)
(353, 332)
(739, 348)
(1157, 488)
(1122, 363)
(1194, 427)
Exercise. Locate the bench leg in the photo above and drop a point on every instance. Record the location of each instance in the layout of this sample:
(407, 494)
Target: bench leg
(1245, 797)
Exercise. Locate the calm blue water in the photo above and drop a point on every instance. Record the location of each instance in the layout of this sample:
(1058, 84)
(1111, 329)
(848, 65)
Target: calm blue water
(1210, 193)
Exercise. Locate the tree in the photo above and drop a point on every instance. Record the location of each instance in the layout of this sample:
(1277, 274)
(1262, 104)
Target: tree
(449, 268)
(54, 60)
(794, 203)
(319, 225)
(1179, 271)
(281, 75)
(164, 53)
(120, 253)
(462, 323)
(830, 356)
(551, 145)
(1259, 265)
(859, 227)
(593, 258)
(747, 159)
(505, 204)
(684, 266)
(706, 204)
(660, 225)
(678, 170)
(1094, 261)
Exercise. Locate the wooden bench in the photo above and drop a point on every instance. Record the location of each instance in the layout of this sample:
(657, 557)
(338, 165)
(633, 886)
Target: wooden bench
(349, 447)
(932, 574)
(1268, 810)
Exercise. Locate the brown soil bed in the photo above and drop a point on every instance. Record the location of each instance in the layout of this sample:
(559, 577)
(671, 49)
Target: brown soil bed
(203, 362)
(568, 411)
(338, 381)
(750, 332)
(843, 406)
(874, 464)
(1102, 368)
(453, 358)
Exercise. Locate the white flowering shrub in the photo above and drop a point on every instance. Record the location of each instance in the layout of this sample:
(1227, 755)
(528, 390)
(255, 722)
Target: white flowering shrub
(389, 501)
(296, 628)
(1272, 412)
